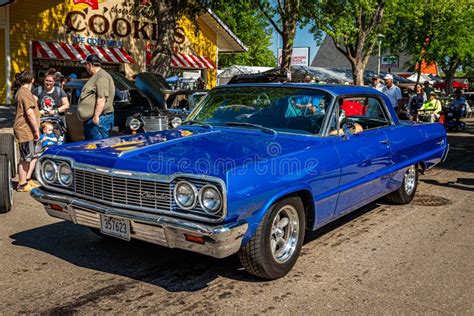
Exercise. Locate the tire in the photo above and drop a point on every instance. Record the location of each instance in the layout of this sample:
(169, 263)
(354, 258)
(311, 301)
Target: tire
(407, 191)
(257, 255)
(8, 148)
(6, 186)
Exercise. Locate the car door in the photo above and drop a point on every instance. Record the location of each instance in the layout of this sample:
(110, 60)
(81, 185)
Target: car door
(364, 154)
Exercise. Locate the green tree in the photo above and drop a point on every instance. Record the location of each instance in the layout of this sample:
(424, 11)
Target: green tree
(252, 28)
(353, 26)
(168, 12)
(284, 16)
(434, 31)
(453, 47)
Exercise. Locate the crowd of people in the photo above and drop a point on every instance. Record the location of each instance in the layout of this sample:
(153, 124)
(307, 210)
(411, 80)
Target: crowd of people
(423, 100)
(34, 126)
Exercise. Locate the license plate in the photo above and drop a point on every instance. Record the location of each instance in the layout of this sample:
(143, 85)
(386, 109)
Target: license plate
(116, 227)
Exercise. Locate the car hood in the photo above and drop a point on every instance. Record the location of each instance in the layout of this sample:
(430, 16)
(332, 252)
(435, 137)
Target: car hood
(185, 150)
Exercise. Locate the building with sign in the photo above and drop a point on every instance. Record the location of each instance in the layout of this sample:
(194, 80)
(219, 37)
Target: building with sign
(39, 35)
(329, 57)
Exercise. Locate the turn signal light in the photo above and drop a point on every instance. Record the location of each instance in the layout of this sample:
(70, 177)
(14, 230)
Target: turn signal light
(196, 239)
(56, 207)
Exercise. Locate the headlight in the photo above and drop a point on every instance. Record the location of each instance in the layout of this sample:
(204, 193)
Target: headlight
(210, 199)
(134, 124)
(185, 195)
(49, 171)
(65, 174)
(176, 122)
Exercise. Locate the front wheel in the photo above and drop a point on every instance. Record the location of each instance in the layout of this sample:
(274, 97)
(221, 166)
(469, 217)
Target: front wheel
(406, 192)
(273, 250)
(6, 187)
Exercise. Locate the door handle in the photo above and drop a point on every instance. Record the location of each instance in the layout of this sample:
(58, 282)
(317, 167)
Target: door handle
(385, 142)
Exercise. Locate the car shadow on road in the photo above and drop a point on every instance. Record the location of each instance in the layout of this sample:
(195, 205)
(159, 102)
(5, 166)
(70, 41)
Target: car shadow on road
(461, 151)
(312, 235)
(171, 269)
(464, 184)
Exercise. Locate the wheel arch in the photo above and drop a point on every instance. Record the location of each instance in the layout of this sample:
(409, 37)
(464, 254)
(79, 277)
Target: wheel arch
(304, 193)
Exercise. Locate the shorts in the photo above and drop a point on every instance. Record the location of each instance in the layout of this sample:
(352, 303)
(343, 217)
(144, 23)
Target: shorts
(28, 151)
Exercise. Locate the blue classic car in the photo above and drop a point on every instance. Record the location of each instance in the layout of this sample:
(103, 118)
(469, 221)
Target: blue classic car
(251, 170)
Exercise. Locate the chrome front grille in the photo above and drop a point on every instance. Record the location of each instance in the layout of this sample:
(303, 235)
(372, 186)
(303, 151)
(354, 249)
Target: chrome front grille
(122, 190)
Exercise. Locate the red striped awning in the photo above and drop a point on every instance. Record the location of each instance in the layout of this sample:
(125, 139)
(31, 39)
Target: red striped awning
(186, 61)
(79, 52)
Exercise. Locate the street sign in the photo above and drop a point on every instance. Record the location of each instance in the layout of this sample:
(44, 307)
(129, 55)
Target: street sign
(299, 57)
(389, 61)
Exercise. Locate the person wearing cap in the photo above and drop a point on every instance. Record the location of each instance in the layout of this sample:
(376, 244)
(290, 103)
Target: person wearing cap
(376, 83)
(432, 107)
(427, 88)
(392, 92)
(95, 106)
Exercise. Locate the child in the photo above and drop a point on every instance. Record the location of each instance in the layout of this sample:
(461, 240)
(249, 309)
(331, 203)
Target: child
(48, 138)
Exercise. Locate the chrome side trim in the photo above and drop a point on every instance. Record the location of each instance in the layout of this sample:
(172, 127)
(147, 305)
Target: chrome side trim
(136, 176)
(221, 241)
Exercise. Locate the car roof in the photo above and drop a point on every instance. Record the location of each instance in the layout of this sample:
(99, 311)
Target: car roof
(330, 88)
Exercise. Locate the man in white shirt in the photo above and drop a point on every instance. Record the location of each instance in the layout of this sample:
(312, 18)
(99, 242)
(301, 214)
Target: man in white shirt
(392, 92)
(376, 83)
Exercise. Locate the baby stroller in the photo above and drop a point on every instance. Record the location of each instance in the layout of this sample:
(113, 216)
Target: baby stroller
(59, 130)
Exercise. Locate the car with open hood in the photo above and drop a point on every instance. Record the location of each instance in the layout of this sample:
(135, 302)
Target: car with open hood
(136, 108)
(251, 170)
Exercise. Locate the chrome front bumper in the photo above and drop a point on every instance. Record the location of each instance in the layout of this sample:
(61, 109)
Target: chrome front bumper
(220, 241)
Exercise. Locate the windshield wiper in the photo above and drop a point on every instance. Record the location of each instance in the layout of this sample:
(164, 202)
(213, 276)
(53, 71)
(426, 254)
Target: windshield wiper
(263, 128)
(192, 122)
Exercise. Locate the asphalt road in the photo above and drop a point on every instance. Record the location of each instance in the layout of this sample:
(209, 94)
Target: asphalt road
(382, 258)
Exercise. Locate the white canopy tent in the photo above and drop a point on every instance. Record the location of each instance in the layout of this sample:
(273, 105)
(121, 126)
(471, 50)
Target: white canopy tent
(423, 78)
(224, 75)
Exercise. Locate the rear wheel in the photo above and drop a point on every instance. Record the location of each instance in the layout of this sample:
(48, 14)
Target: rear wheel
(6, 187)
(406, 192)
(273, 250)
(8, 148)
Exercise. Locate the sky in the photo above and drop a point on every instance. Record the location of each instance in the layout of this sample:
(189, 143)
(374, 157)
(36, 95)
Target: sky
(303, 38)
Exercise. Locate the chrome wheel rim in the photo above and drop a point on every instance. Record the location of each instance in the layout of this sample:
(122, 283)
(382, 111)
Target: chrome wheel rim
(284, 234)
(410, 180)
(9, 184)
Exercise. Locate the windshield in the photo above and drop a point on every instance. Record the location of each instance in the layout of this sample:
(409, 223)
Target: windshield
(282, 109)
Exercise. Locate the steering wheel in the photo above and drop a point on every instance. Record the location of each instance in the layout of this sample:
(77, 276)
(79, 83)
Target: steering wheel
(263, 98)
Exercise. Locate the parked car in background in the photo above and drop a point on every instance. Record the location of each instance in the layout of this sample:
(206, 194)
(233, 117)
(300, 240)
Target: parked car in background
(129, 102)
(173, 111)
(250, 171)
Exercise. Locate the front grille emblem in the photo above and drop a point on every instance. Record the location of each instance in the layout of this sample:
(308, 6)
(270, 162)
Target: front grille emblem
(153, 196)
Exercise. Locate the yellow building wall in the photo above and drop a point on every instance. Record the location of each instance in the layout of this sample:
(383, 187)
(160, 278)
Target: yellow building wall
(33, 20)
(3, 81)
(44, 20)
